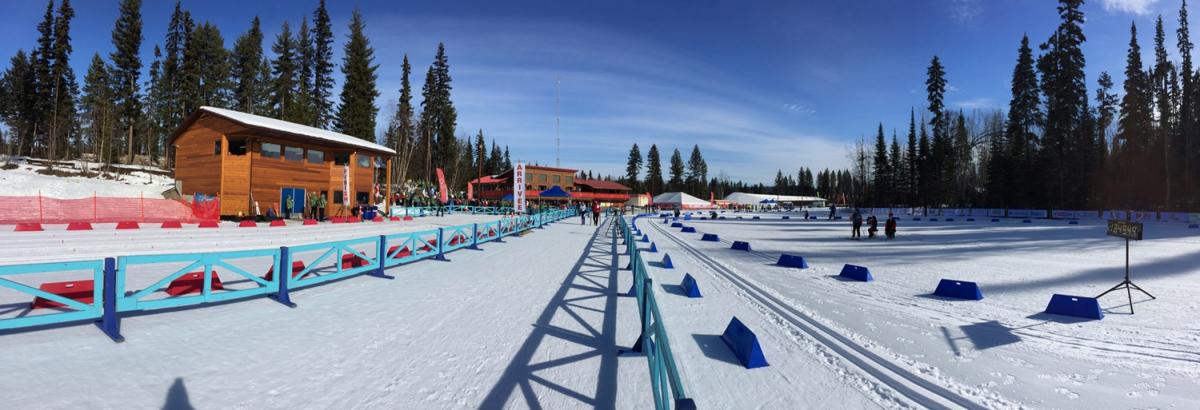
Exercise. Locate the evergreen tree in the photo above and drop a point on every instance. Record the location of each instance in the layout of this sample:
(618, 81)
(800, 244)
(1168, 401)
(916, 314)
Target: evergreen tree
(205, 71)
(927, 177)
(322, 91)
(496, 160)
(882, 172)
(940, 152)
(480, 154)
(356, 113)
(633, 167)
(127, 66)
(676, 181)
(305, 60)
(43, 59)
(912, 162)
(247, 55)
(404, 118)
(654, 175)
(63, 88)
(285, 72)
(444, 116)
(1066, 143)
(172, 82)
(697, 171)
(1106, 111)
(1024, 116)
(1188, 107)
(507, 159)
(1133, 129)
(897, 172)
(1162, 80)
(18, 100)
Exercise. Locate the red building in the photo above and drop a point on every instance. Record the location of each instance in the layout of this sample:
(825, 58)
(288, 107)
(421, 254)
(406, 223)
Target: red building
(539, 179)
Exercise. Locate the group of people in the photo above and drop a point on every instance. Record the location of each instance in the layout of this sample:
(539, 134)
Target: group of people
(856, 222)
(583, 213)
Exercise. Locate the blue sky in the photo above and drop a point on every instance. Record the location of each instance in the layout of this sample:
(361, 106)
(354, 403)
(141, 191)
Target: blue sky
(758, 85)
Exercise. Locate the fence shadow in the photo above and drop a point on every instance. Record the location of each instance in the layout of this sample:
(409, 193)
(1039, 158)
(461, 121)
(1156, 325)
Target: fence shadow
(592, 281)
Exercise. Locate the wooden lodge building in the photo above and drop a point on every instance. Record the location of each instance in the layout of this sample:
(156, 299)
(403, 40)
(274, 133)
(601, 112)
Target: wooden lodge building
(244, 160)
(539, 179)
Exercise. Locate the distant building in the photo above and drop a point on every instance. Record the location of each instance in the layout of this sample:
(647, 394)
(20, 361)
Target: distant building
(246, 160)
(539, 179)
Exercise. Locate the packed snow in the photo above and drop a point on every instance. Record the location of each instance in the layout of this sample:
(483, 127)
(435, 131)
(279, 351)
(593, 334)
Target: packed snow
(26, 181)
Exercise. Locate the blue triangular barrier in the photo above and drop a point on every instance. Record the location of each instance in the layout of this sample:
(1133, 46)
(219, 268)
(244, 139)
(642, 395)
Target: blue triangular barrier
(933, 219)
(794, 261)
(744, 344)
(653, 248)
(665, 221)
(741, 246)
(787, 217)
(837, 218)
(711, 237)
(855, 272)
(1194, 226)
(1073, 222)
(722, 217)
(1026, 221)
(645, 238)
(958, 289)
(970, 219)
(688, 229)
(756, 217)
(995, 219)
(689, 286)
(1078, 306)
(666, 262)
(812, 217)
(687, 217)
(677, 224)
(916, 219)
(949, 219)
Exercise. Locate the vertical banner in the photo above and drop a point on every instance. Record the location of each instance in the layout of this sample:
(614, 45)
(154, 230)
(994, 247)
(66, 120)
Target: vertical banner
(346, 185)
(442, 194)
(519, 188)
(470, 192)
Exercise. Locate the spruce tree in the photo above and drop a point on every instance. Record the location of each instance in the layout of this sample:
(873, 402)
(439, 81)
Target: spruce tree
(18, 98)
(98, 109)
(306, 112)
(882, 171)
(322, 92)
(404, 116)
(43, 59)
(284, 70)
(898, 174)
(177, 32)
(912, 162)
(206, 72)
(445, 116)
(63, 87)
(247, 55)
(507, 159)
(127, 66)
(633, 167)
(356, 113)
(654, 175)
(677, 168)
(1188, 107)
(1067, 144)
(480, 155)
(927, 178)
(940, 151)
(1162, 80)
(1134, 129)
(697, 171)
(1020, 175)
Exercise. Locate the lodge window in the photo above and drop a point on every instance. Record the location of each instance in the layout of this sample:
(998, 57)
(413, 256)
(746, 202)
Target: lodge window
(557, 179)
(541, 177)
(337, 197)
(217, 148)
(316, 156)
(236, 146)
(270, 150)
(364, 161)
(570, 180)
(341, 158)
(293, 153)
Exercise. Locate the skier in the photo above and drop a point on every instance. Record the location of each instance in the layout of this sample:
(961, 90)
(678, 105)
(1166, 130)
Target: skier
(291, 204)
(832, 211)
(873, 224)
(596, 213)
(856, 223)
(806, 214)
(889, 228)
(582, 213)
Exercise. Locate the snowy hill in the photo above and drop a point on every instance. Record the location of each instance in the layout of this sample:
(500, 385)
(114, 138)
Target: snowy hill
(21, 176)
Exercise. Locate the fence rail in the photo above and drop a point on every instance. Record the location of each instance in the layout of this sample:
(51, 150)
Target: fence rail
(665, 381)
(133, 283)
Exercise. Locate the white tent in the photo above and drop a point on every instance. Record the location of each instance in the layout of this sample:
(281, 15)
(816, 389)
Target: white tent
(681, 200)
(742, 198)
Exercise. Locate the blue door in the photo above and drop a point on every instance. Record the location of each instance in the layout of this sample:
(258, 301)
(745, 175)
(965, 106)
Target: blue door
(298, 203)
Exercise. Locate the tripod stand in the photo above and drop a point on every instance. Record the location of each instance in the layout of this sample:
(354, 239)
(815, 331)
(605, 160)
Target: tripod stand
(1127, 284)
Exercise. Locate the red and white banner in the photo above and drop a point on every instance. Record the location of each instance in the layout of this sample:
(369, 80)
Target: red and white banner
(442, 195)
(519, 188)
(470, 192)
(346, 185)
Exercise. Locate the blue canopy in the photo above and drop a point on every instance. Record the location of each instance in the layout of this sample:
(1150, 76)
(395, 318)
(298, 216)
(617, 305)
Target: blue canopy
(554, 192)
(767, 201)
(508, 198)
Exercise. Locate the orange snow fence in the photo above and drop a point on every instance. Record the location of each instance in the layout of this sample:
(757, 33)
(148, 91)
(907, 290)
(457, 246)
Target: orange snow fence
(98, 209)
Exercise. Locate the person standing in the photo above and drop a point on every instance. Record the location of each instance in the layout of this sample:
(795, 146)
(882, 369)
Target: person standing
(873, 226)
(889, 227)
(832, 211)
(287, 210)
(856, 225)
(596, 213)
(582, 213)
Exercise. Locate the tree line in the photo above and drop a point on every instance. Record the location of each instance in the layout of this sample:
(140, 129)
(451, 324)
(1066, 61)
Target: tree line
(117, 116)
(1057, 146)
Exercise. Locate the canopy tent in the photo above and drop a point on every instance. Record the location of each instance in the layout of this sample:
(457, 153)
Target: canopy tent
(680, 200)
(742, 198)
(507, 197)
(555, 192)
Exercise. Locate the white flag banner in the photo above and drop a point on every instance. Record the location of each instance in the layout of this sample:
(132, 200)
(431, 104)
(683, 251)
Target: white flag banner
(519, 188)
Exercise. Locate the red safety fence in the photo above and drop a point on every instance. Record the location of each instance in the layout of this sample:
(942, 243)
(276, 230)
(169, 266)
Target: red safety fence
(98, 209)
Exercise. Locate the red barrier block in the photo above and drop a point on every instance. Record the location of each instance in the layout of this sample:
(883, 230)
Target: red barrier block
(337, 220)
(192, 283)
(28, 227)
(351, 260)
(378, 219)
(79, 226)
(247, 224)
(278, 223)
(394, 219)
(171, 225)
(297, 267)
(128, 225)
(77, 290)
(209, 224)
(404, 253)
(457, 239)
(408, 218)
(310, 222)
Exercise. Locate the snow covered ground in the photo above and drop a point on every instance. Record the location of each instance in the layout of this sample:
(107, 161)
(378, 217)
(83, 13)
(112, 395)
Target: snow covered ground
(26, 181)
(534, 322)
(892, 343)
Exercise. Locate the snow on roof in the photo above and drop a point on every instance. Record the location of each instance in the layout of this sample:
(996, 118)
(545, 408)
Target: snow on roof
(754, 199)
(258, 121)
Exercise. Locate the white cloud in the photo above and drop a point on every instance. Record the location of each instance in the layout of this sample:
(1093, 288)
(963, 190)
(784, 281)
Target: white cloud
(1139, 7)
(965, 11)
(799, 108)
(974, 104)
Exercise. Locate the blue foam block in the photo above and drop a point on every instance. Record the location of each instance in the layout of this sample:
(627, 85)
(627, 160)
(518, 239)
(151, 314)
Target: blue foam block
(812, 217)
(1078, 306)
(665, 221)
(653, 248)
(687, 217)
(645, 238)
(995, 219)
(741, 246)
(1073, 222)
(690, 288)
(916, 219)
(677, 224)
(855, 272)
(756, 217)
(970, 219)
(787, 217)
(1194, 226)
(949, 219)
(666, 262)
(744, 344)
(958, 289)
(837, 218)
(722, 217)
(794, 261)
(711, 237)
(933, 219)
(1026, 221)
(688, 229)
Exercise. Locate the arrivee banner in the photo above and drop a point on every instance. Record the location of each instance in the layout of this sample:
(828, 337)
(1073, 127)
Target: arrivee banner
(519, 188)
